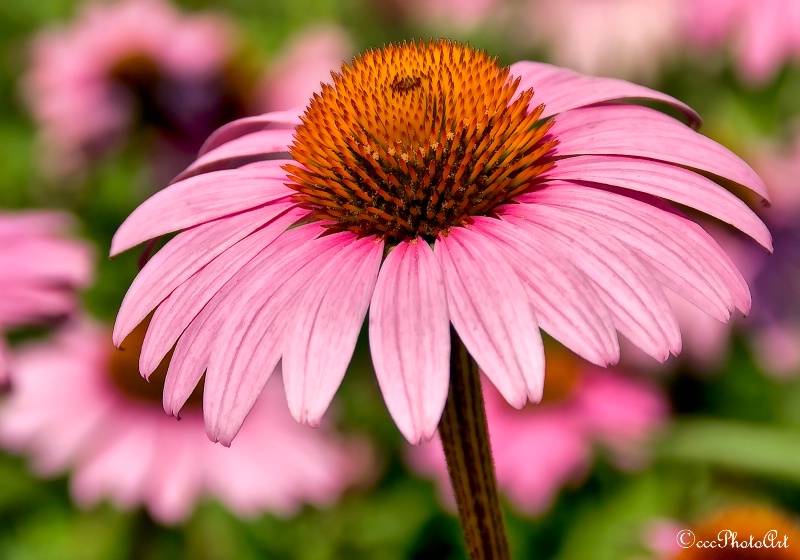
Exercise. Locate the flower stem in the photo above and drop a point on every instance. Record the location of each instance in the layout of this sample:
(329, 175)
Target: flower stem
(465, 439)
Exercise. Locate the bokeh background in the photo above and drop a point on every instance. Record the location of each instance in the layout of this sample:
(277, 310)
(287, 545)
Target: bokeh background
(101, 104)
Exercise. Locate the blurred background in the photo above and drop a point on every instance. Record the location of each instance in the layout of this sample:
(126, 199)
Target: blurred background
(102, 103)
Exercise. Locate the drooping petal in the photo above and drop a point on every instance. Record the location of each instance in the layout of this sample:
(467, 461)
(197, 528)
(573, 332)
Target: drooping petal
(490, 311)
(641, 132)
(566, 303)
(202, 336)
(183, 305)
(250, 342)
(696, 265)
(323, 332)
(664, 262)
(639, 307)
(238, 128)
(409, 332)
(561, 90)
(200, 199)
(254, 145)
(183, 256)
(665, 181)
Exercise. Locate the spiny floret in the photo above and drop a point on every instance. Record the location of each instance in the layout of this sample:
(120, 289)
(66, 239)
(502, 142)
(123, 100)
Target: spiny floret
(412, 139)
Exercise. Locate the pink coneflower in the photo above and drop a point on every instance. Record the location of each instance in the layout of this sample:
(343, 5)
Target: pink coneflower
(88, 81)
(434, 188)
(542, 448)
(620, 38)
(79, 405)
(764, 35)
(39, 271)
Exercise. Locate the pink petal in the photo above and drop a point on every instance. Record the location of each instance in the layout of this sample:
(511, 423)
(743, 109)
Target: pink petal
(409, 332)
(183, 256)
(248, 125)
(194, 349)
(643, 132)
(566, 303)
(561, 90)
(197, 200)
(490, 311)
(183, 305)
(322, 334)
(251, 340)
(639, 307)
(690, 261)
(252, 145)
(656, 253)
(666, 181)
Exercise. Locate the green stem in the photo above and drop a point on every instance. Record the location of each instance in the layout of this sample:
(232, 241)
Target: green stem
(465, 439)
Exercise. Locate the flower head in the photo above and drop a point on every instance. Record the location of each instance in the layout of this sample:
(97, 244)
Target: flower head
(541, 448)
(40, 269)
(432, 187)
(78, 405)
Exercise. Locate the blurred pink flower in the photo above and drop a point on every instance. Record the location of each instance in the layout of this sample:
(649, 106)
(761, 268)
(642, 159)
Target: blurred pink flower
(81, 86)
(763, 34)
(542, 448)
(779, 166)
(619, 38)
(563, 226)
(78, 404)
(40, 268)
(306, 60)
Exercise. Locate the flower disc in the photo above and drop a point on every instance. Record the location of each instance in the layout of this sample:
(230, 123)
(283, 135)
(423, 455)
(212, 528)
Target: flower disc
(412, 139)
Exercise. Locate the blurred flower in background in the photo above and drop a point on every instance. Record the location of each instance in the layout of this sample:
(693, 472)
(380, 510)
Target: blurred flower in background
(544, 447)
(305, 61)
(135, 60)
(736, 532)
(762, 35)
(618, 38)
(79, 404)
(774, 325)
(40, 269)
(142, 66)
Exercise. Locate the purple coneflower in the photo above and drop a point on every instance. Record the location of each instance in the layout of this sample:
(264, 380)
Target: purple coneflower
(79, 406)
(435, 188)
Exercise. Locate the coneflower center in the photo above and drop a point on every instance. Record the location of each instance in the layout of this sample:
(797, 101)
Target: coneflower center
(123, 369)
(415, 138)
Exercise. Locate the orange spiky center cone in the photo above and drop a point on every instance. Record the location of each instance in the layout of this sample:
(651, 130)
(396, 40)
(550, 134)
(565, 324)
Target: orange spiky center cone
(415, 138)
